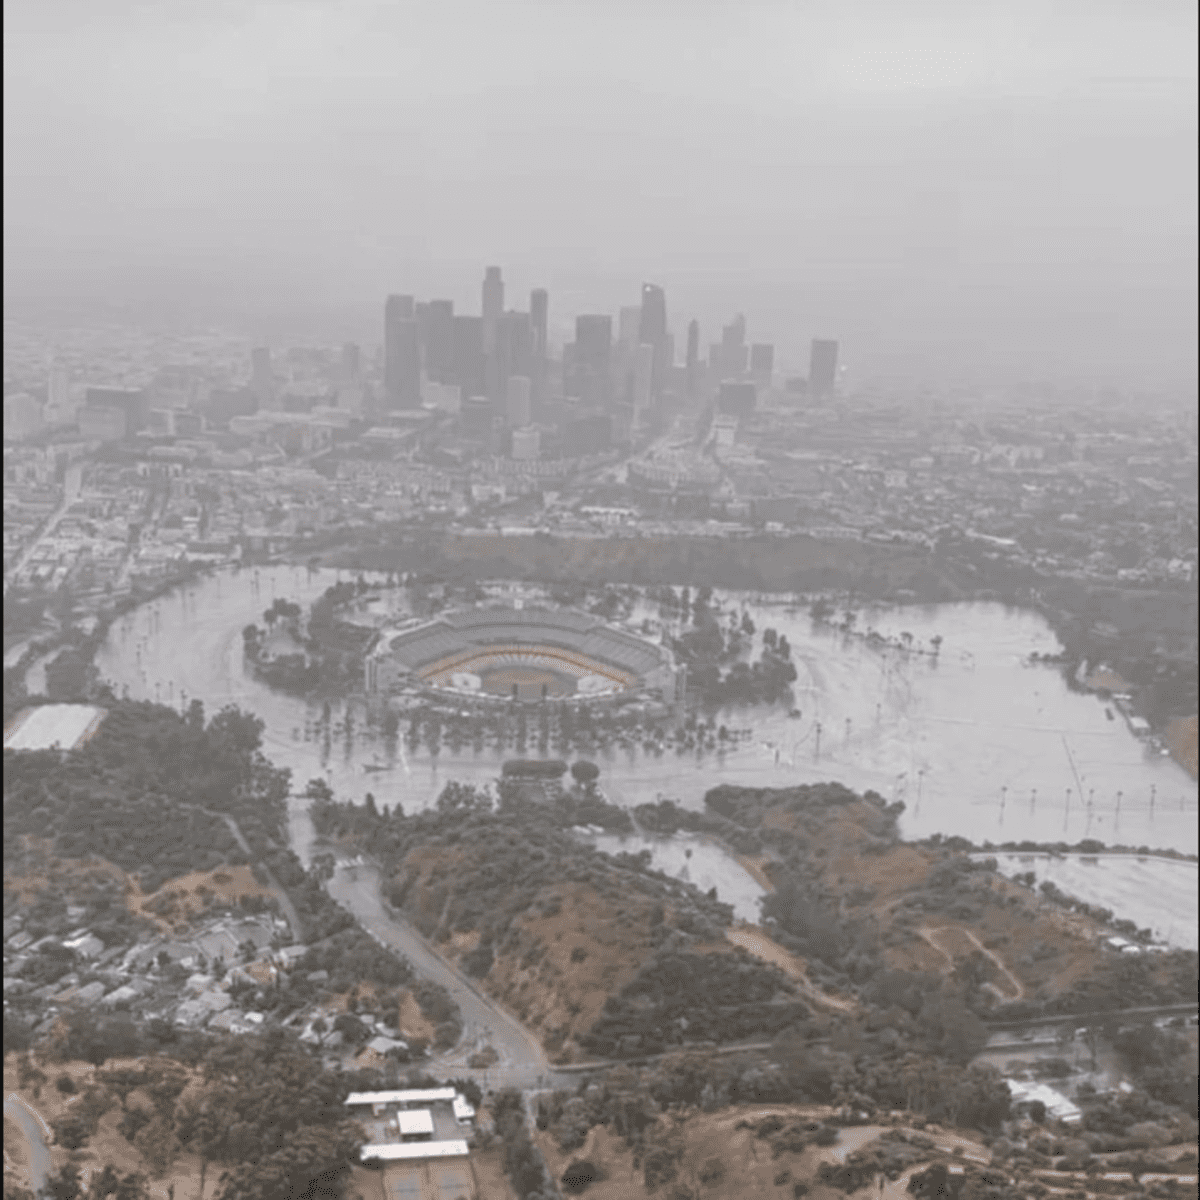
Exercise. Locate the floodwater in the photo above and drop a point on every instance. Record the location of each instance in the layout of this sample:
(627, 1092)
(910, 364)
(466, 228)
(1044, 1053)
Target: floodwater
(1158, 894)
(975, 743)
(696, 860)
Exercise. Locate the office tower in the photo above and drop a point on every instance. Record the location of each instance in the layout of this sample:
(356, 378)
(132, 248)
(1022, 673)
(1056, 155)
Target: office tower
(262, 378)
(445, 397)
(822, 367)
(593, 359)
(519, 401)
(493, 306)
(351, 363)
(401, 354)
(629, 324)
(60, 408)
(402, 308)
(512, 353)
(467, 340)
(539, 319)
(653, 332)
(693, 357)
(643, 384)
(421, 316)
(762, 362)
(475, 419)
(133, 404)
(439, 341)
(737, 398)
(23, 417)
(526, 443)
(733, 347)
(101, 424)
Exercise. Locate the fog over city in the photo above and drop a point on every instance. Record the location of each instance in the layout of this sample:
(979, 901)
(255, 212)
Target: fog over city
(601, 599)
(984, 191)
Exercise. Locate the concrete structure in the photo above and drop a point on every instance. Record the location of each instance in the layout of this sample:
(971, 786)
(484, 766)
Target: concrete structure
(519, 401)
(23, 417)
(652, 331)
(693, 357)
(133, 403)
(526, 444)
(762, 362)
(529, 654)
(492, 306)
(438, 346)
(737, 398)
(629, 322)
(822, 367)
(592, 359)
(539, 317)
(401, 354)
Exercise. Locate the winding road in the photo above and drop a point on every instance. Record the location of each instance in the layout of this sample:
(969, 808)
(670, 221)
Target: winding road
(522, 1063)
(36, 1133)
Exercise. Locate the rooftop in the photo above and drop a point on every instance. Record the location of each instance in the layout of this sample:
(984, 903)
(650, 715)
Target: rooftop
(417, 1096)
(411, 1150)
(65, 726)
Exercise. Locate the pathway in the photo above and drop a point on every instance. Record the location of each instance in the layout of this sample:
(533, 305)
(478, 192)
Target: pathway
(930, 935)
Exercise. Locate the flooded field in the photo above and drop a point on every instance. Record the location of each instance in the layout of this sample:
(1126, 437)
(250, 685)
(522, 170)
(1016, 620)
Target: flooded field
(975, 742)
(1157, 893)
(694, 859)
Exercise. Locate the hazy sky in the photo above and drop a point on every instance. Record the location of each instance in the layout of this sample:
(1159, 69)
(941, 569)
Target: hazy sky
(1003, 186)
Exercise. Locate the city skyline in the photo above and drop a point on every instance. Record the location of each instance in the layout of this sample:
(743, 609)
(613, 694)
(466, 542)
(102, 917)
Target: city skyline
(956, 193)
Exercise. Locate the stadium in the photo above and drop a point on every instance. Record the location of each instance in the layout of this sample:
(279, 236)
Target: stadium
(523, 654)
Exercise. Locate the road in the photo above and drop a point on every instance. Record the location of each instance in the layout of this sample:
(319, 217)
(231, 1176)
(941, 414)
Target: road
(522, 1062)
(35, 1131)
(72, 482)
(289, 909)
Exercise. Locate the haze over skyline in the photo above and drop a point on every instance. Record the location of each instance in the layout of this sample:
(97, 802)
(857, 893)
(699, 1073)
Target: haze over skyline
(1004, 191)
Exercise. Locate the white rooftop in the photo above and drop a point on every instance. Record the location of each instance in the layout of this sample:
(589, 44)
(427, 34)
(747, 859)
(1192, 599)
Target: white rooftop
(414, 1123)
(63, 725)
(418, 1096)
(411, 1150)
(1057, 1105)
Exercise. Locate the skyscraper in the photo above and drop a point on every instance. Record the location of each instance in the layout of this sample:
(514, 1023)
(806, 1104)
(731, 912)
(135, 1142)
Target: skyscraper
(518, 408)
(733, 347)
(653, 332)
(467, 340)
(493, 306)
(539, 318)
(643, 383)
(401, 354)
(593, 358)
(629, 325)
(351, 363)
(439, 341)
(693, 357)
(822, 367)
(762, 362)
(512, 354)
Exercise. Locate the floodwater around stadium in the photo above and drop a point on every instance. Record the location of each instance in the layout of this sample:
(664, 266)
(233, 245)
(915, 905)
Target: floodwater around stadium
(975, 742)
